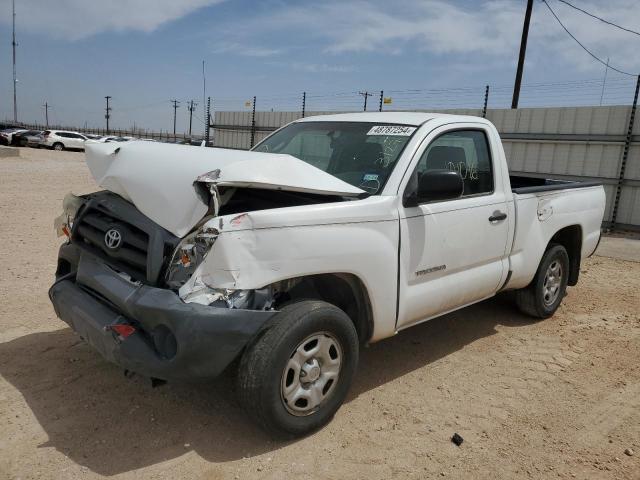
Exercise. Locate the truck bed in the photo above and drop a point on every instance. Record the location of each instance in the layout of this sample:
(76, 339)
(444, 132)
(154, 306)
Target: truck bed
(521, 184)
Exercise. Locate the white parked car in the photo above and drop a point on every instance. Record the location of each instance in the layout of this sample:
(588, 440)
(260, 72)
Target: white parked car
(117, 139)
(63, 140)
(334, 232)
(97, 138)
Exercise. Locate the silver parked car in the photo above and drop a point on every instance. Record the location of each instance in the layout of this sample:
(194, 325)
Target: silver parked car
(28, 138)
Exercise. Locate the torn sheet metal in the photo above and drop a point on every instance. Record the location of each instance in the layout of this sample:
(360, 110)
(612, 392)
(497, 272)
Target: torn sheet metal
(159, 178)
(278, 172)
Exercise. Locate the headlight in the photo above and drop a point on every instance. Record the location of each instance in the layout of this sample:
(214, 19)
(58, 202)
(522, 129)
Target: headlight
(64, 222)
(188, 255)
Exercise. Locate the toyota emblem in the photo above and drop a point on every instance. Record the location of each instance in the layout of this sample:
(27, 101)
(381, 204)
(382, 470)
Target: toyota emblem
(112, 239)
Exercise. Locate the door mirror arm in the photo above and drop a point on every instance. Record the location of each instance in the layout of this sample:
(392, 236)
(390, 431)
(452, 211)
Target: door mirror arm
(410, 197)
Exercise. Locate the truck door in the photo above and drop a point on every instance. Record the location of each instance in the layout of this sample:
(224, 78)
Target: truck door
(453, 252)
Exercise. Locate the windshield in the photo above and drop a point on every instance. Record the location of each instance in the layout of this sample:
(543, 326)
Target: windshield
(360, 153)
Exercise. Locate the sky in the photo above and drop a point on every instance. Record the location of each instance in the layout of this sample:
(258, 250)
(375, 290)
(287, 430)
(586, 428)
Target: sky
(421, 53)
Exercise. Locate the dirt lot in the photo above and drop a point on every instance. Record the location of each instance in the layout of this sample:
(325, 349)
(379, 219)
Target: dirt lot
(552, 399)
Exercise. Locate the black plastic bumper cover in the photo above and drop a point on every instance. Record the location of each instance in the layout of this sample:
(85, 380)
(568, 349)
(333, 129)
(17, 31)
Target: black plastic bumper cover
(207, 338)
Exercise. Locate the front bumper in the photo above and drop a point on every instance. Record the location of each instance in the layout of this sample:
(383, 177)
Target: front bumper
(173, 340)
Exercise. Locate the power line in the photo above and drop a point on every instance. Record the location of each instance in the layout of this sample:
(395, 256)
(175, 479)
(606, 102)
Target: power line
(599, 18)
(583, 47)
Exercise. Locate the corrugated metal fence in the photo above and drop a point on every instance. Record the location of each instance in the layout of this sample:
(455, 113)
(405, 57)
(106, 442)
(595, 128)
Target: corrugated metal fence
(574, 143)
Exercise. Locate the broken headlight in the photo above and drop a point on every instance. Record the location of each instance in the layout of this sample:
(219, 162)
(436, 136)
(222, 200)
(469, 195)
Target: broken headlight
(188, 255)
(64, 222)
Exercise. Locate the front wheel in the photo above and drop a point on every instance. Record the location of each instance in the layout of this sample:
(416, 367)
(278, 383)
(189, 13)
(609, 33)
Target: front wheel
(294, 378)
(544, 294)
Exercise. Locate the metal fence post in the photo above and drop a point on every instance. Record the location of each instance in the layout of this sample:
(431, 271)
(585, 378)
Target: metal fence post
(486, 101)
(625, 156)
(253, 122)
(211, 120)
(208, 121)
(381, 99)
(304, 102)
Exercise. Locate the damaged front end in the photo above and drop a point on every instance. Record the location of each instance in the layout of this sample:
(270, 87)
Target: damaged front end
(148, 274)
(121, 296)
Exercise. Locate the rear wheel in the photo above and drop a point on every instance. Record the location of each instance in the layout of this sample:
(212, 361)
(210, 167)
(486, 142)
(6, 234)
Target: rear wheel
(58, 146)
(544, 294)
(294, 378)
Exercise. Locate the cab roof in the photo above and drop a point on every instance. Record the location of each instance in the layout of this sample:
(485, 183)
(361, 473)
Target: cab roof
(405, 118)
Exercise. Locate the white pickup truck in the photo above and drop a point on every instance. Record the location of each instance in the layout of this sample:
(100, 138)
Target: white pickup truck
(334, 232)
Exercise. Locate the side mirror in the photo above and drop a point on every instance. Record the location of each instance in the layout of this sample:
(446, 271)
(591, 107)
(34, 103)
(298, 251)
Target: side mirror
(435, 185)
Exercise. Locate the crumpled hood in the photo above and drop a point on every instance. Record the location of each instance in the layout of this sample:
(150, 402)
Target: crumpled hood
(159, 178)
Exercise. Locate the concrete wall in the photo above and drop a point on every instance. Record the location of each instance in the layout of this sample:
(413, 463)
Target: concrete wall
(567, 143)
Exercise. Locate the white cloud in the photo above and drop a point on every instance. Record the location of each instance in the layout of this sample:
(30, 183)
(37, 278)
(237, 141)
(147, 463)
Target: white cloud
(76, 19)
(486, 30)
(322, 67)
(477, 31)
(246, 50)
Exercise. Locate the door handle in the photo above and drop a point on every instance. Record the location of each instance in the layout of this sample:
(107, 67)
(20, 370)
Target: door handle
(497, 216)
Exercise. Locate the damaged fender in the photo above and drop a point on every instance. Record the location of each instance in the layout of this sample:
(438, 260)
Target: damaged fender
(251, 252)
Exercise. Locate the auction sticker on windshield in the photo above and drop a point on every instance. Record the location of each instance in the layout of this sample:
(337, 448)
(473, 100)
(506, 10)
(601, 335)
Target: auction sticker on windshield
(397, 130)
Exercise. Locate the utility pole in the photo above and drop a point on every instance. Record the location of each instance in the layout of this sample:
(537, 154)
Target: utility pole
(15, 79)
(365, 95)
(46, 113)
(523, 51)
(304, 103)
(175, 109)
(191, 108)
(107, 115)
(381, 100)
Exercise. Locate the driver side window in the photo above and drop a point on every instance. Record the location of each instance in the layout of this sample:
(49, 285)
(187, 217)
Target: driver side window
(465, 152)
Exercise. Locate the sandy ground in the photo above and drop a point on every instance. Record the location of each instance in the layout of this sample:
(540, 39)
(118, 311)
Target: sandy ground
(552, 399)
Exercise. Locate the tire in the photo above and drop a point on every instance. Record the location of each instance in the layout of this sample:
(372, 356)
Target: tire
(270, 380)
(542, 297)
(58, 146)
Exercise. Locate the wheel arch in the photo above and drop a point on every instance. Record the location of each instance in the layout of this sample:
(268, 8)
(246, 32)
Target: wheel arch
(344, 290)
(570, 238)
